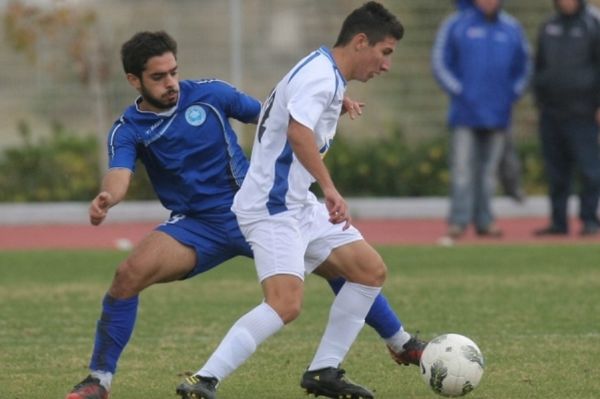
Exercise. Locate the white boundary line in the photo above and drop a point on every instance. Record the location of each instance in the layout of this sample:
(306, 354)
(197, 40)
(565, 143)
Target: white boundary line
(361, 208)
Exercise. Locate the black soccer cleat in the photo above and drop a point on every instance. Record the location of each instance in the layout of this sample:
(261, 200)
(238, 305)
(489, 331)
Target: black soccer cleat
(197, 387)
(89, 388)
(413, 350)
(331, 383)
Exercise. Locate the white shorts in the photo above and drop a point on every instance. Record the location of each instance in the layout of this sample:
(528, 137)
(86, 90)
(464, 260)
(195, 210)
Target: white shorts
(295, 242)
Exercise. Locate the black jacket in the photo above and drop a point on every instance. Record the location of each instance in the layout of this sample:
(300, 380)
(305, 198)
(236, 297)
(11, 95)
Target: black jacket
(567, 64)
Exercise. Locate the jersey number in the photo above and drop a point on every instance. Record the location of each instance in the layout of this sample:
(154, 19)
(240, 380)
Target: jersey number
(265, 115)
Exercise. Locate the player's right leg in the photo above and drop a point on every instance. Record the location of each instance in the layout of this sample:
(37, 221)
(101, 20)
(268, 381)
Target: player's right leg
(278, 254)
(282, 292)
(157, 258)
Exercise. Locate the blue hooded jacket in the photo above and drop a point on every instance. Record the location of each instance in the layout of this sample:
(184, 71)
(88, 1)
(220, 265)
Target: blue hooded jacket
(483, 64)
(464, 4)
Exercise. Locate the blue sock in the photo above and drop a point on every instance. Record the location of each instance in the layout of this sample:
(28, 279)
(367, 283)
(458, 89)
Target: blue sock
(113, 331)
(381, 316)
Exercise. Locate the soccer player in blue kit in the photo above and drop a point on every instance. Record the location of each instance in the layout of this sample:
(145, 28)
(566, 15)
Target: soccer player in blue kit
(180, 131)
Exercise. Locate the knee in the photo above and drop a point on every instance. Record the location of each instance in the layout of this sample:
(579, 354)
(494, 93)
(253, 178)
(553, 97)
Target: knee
(591, 177)
(128, 280)
(372, 274)
(378, 274)
(290, 313)
(288, 307)
(461, 179)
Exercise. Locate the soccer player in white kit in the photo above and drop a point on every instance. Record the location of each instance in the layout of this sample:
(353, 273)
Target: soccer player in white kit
(291, 233)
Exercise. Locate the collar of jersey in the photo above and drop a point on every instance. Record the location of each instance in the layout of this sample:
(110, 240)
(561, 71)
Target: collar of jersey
(166, 113)
(327, 53)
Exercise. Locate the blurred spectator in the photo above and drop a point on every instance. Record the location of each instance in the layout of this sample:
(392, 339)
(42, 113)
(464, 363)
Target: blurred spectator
(462, 5)
(510, 170)
(481, 59)
(509, 167)
(567, 91)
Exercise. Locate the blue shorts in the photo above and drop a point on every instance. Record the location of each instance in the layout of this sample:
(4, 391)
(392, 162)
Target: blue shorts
(215, 238)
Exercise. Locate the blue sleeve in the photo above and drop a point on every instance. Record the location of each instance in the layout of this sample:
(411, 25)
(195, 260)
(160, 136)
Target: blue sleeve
(122, 147)
(239, 105)
(443, 58)
(522, 65)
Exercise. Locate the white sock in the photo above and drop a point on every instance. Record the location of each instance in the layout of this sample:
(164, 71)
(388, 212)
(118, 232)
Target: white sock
(241, 341)
(397, 340)
(346, 319)
(105, 378)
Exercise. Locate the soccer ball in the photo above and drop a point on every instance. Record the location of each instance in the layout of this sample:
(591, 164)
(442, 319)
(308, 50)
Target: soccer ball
(452, 365)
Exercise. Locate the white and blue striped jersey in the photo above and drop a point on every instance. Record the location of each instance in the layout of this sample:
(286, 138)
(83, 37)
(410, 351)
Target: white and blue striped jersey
(191, 153)
(312, 94)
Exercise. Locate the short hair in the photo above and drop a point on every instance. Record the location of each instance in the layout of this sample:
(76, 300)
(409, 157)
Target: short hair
(136, 51)
(372, 19)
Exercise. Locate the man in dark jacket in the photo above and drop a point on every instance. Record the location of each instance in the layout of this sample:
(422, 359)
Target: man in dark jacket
(567, 90)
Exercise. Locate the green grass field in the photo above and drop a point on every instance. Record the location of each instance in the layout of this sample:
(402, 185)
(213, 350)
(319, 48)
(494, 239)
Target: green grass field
(533, 310)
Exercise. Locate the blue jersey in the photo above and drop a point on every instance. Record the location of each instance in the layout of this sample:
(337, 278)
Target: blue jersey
(191, 153)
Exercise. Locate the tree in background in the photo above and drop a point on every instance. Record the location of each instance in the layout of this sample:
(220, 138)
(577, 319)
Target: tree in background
(64, 39)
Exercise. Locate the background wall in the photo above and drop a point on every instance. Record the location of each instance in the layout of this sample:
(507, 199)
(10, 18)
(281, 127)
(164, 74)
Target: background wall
(47, 87)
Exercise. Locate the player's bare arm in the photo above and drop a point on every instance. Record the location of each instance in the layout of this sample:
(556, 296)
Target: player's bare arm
(305, 148)
(114, 187)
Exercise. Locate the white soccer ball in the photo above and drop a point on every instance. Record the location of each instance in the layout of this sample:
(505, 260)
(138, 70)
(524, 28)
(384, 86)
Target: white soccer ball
(452, 365)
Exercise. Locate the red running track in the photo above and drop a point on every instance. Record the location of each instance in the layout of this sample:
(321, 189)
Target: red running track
(376, 231)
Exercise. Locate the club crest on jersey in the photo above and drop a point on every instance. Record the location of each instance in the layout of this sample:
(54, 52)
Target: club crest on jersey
(195, 115)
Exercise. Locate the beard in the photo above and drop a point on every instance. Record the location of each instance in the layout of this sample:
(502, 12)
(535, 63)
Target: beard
(158, 102)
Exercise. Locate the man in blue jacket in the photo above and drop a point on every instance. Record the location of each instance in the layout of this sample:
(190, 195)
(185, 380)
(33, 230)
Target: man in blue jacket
(464, 4)
(481, 59)
(567, 91)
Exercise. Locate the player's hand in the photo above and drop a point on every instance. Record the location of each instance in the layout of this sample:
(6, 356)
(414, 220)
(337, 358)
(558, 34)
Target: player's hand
(353, 108)
(337, 208)
(99, 208)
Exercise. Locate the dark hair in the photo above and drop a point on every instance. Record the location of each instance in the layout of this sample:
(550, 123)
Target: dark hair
(372, 19)
(136, 51)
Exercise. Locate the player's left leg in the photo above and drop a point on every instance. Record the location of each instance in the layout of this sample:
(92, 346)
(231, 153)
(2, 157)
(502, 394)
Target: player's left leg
(365, 273)
(404, 348)
(278, 253)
